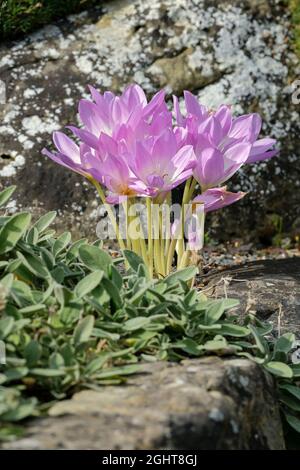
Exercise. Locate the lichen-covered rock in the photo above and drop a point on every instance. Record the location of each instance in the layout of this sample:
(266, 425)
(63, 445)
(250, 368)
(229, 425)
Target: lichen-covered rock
(230, 51)
(269, 289)
(209, 403)
(184, 71)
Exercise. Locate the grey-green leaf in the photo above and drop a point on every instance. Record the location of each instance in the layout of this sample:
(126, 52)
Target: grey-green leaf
(95, 258)
(279, 369)
(32, 353)
(214, 312)
(283, 346)
(133, 259)
(292, 389)
(185, 275)
(61, 243)
(12, 231)
(44, 372)
(6, 194)
(83, 330)
(136, 323)
(88, 283)
(6, 326)
(293, 421)
(43, 222)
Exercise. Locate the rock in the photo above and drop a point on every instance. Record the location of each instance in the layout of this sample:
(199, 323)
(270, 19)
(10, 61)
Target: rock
(186, 71)
(208, 403)
(232, 51)
(261, 8)
(270, 289)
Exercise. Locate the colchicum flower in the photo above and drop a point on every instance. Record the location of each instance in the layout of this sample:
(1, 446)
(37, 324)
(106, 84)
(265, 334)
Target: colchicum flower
(222, 143)
(217, 198)
(69, 154)
(161, 165)
(131, 148)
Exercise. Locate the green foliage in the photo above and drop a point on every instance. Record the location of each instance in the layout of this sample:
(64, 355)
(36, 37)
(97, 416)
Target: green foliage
(70, 320)
(22, 16)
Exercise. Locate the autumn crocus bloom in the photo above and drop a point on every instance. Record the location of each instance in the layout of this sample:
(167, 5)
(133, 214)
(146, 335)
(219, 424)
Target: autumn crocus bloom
(107, 113)
(115, 175)
(215, 165)
(216, 198)
(161, 165)
(69, 154)
(222, 143)
(131, 148)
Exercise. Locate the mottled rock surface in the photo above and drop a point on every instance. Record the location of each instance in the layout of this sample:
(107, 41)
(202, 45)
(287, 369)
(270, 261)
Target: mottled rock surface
(200, 404)
(230, 51)
(270, 289)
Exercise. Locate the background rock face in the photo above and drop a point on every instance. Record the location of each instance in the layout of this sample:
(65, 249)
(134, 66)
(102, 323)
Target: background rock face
(229, 51)
(268, 289)
(200, 404)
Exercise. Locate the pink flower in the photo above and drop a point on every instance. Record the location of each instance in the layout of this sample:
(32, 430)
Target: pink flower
(222, 143)
(161, 165)
(131, 146)
(109, 112)
(69, 154)
(216, 165)
(216, 198)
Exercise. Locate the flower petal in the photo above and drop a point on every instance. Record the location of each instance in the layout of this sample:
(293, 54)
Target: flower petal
(246, 127)
(178, 116)
(262, 150)
(209, 169)
(193, 106)
(66, 146)
(86, 136)
(216, 198)
(224, 116)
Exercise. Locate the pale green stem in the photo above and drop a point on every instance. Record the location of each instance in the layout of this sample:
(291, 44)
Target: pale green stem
(157, 245)
(150, 240)
(162, 244)
(125, 207)
(170, 255)
(191, 189)
(185, 200)
(110, 213)
(168, 234)
(185, 259)
(143, 246)
(135, 242)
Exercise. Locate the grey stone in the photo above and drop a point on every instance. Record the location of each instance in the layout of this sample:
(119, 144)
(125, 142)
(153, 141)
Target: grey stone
(269, 289)
(182, 72)
(230, 51)
(210, 403)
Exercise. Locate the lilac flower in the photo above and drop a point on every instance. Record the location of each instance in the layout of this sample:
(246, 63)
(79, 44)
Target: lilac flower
(131, 147)
(148, 167)
(116, 176)
(108, 113)
(112, 127)
(215, 166)
(161, 165)
(216, 198)
(222, 143)
(69, 154)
